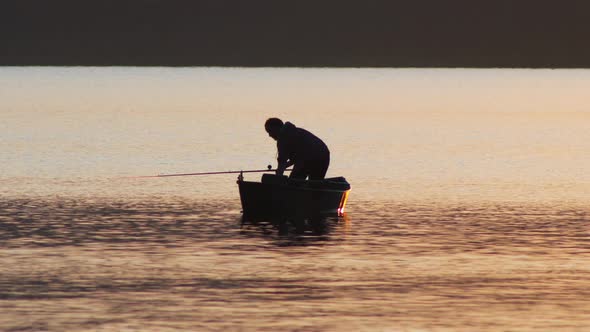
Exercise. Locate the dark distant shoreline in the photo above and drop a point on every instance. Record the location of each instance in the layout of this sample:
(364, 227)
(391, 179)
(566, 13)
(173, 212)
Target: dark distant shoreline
(270, 67)
(269, 33)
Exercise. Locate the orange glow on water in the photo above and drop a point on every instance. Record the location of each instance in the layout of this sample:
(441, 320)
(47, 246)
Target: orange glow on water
(343, 203)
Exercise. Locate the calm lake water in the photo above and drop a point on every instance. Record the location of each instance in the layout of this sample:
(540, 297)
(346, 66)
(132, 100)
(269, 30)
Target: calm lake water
(468, 211)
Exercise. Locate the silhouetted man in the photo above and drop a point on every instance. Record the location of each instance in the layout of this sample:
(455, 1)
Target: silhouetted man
(299, 148)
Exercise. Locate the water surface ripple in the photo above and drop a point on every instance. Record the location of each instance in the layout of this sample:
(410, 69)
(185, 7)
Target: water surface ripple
(177, 264)
(468, 211)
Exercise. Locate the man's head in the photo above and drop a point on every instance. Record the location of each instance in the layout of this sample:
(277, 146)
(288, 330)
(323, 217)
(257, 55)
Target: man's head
(273, 127)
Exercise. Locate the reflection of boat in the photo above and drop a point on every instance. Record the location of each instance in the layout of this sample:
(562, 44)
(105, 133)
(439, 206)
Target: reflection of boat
(281, 196)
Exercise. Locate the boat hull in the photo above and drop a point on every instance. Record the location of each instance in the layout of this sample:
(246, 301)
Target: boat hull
(278, 196)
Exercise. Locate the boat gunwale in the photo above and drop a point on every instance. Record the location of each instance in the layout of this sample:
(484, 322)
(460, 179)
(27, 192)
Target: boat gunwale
(294, 187)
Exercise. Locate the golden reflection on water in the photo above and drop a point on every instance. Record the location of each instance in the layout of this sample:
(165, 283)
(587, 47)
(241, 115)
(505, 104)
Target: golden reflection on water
(429, 134)
(468, 210)
(178, 264)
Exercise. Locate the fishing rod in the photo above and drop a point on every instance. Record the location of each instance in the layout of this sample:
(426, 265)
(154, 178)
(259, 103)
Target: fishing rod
(211, 173)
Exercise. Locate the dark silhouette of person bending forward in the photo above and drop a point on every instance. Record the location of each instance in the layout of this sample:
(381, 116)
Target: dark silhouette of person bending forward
(299, 148)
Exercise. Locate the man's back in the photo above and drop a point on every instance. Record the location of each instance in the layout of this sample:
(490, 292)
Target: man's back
(299, 145)
(308, 154)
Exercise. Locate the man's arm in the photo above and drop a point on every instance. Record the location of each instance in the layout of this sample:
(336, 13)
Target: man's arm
(283, 157)
(282, 165)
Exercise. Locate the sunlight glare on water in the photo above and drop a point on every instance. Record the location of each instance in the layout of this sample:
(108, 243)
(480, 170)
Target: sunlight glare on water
(468, 209)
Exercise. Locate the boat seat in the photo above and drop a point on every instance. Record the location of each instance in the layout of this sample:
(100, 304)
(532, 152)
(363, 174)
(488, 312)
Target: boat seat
(274, 179)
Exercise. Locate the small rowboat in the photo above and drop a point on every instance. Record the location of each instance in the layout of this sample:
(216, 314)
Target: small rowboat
(279, 196)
